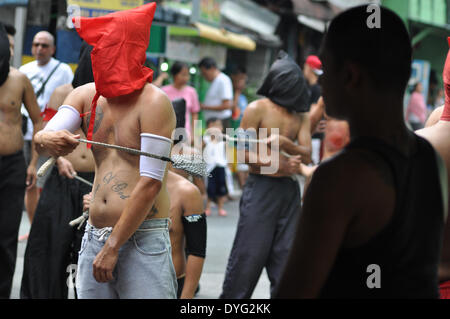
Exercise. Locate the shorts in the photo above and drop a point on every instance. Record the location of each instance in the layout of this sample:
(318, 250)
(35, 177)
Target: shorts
(217, 186)
(144, 269)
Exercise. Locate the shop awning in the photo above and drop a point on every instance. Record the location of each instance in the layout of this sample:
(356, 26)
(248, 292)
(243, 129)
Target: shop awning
(222, 36)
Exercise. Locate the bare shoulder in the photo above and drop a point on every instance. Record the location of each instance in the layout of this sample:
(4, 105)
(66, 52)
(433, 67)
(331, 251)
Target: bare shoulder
(253, 114)
(86, 89)
(156, 111)
(81, 97)
(16, 75)
(193, 202)
(156, 96)
(434, 116)
(258, 105)
(63, 90)
(58, 96)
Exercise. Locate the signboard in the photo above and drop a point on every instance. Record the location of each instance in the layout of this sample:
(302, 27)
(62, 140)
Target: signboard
(205, 11)
(13, 3)
(192, 51)
(96, 8)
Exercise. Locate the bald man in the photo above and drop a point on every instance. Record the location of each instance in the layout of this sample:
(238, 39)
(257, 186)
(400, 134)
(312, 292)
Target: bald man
(436, 131)
(46, 74)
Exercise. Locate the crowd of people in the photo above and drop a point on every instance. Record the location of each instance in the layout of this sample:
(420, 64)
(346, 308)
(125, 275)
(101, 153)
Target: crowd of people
(375, 195)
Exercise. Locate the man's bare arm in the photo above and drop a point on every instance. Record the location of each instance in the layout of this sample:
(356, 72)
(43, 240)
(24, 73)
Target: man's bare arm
(30, 102)
(316, 113)
(194, 264)
(304, 147)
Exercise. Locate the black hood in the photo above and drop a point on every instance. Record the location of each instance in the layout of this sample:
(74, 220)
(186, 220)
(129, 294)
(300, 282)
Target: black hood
(5, 55)
(285, 85)
(179, 106)
(83, 73)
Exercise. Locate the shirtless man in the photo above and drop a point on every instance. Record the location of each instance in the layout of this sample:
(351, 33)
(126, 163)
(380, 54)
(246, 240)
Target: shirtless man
(267, 218)
(119, 254)
(53, 245)
(15, 89)
(187, 233)
(436, 131)
(372, 217)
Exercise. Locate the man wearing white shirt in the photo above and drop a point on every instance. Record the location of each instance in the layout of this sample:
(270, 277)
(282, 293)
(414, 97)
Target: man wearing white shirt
(219, 97)
(46, 74)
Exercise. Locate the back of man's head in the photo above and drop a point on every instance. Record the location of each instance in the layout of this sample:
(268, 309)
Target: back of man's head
(207, 63)
(10, 30)
(83, 73)
(4, 55)
(383, 51)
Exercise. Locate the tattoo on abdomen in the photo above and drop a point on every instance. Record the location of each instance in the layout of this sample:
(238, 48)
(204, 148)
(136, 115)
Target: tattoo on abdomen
(95, 192)
(153, 211)
(118, 186)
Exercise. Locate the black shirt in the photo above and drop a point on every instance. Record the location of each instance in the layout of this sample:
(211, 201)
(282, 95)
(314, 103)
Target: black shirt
(407, 250)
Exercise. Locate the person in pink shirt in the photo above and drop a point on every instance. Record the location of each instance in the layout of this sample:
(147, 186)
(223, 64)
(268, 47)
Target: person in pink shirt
(180, 89)
(416, 112)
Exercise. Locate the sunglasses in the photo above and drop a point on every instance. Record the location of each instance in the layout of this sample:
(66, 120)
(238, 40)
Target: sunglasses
(43, 45)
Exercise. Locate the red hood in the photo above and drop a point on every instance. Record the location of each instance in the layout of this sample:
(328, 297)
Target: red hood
(120, 40)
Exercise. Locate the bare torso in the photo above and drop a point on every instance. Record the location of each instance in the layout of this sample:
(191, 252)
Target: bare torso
(11, 97)
(276, 117)
(81, 158)
(117, 172)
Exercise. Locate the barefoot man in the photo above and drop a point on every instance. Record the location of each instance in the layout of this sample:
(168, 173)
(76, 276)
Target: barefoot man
(126, 251)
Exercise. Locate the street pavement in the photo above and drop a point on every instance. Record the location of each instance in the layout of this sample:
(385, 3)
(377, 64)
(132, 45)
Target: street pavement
(221, 231)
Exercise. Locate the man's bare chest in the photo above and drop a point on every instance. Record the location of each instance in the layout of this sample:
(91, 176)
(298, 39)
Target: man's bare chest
(114, 126)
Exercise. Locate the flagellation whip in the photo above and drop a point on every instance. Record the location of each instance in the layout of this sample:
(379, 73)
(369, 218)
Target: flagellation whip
(192, 164)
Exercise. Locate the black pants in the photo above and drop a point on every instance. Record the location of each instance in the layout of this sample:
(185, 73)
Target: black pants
(53, 244)
(269, 209)
(217, 185)
(12, 191)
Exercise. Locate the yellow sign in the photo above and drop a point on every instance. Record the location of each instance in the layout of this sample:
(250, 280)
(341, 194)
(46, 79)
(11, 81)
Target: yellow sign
(94, 8)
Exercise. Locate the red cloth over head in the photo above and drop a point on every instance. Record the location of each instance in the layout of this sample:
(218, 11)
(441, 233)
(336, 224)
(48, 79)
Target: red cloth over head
(120, 40)
(446, 76)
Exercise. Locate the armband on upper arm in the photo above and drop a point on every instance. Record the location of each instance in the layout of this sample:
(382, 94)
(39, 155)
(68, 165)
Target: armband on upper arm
(67, 118)
(195, 232)
(156, 145)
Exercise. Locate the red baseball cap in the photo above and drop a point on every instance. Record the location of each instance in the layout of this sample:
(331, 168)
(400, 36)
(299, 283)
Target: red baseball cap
(120, 40)
(314, 62)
